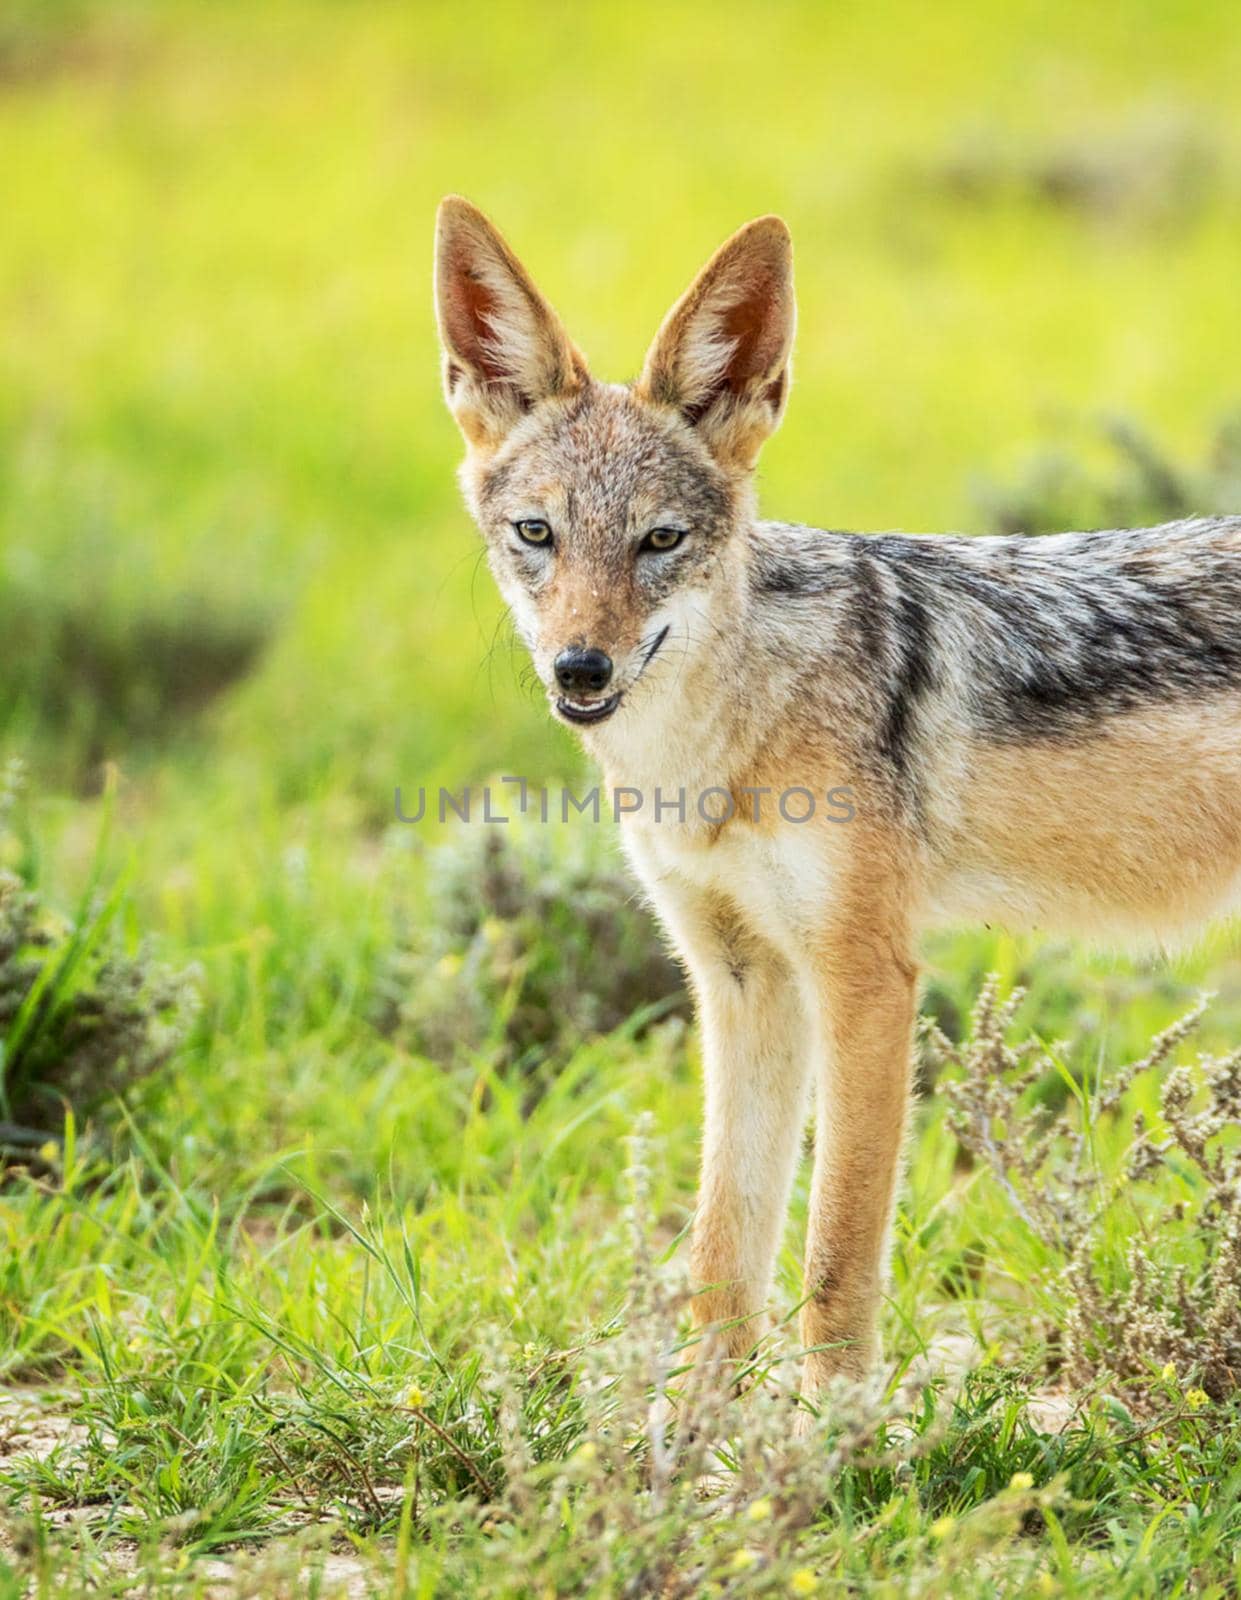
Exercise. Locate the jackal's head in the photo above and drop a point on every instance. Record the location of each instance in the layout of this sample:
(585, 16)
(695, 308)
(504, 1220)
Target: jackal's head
(613, 513)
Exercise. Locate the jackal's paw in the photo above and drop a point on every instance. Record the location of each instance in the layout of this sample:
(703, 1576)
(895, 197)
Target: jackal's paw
(700, 1433)
(717, 1398)
(837, 1391)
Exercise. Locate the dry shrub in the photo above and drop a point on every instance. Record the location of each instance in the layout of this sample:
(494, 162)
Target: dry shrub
(1145, 1249)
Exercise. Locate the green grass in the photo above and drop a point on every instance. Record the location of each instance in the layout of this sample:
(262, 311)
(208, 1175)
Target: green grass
(234, 564)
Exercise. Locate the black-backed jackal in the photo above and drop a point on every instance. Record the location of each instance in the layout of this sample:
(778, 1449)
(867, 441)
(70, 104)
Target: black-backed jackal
(1039, 731)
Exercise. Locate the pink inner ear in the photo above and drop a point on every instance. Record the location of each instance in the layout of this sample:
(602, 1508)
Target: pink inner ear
(750, 324)
(469, 307)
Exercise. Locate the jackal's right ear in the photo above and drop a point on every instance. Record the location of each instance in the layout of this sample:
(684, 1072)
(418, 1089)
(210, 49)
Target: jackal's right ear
(504, 346)
(722, 356)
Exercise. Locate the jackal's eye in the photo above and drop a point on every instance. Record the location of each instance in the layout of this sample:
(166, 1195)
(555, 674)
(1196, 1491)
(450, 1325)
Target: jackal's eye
(533, 530)
(662, 539)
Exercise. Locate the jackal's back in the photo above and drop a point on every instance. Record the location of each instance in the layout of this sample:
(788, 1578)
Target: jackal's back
(1036, 638)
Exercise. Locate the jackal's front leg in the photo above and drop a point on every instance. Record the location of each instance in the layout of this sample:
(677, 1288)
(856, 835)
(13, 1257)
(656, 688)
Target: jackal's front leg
(756, 1058)
(867, 980)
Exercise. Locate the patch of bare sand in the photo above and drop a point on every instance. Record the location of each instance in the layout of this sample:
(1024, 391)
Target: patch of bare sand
(32, 1423)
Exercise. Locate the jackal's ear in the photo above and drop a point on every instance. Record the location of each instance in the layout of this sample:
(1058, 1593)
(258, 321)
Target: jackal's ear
(504, 347)
(722, 356)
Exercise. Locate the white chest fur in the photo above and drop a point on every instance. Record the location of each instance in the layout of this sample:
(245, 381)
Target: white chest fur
(778, 880)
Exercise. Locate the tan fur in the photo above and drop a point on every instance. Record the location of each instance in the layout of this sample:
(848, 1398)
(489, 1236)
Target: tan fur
(1133, 833)
(765, 657)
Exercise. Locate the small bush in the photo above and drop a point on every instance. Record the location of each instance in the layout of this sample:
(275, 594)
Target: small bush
(1153, 173)
(1152, 1285)
(1133, 482)
(532, 939)
(101, 672)
(80, 1017)
(37, 36)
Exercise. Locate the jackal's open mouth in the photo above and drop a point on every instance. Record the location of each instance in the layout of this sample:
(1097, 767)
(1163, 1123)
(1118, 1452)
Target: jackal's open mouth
(587, 710)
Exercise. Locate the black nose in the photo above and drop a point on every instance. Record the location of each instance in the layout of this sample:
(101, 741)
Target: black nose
(583, 671)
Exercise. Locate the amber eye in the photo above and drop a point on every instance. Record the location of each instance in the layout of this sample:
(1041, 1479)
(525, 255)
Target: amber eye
(533, 530)
(662, 539)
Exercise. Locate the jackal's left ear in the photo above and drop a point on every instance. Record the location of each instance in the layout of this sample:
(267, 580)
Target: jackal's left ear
(504, 346)
(722, 356)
